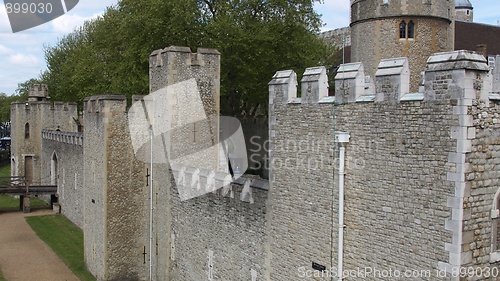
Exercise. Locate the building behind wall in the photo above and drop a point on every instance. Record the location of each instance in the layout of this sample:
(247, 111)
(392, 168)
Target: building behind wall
(412, 29)
(381, 29)
(464, 11)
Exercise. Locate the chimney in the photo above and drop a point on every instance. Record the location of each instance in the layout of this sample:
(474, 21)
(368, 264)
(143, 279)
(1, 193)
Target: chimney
(482, 49)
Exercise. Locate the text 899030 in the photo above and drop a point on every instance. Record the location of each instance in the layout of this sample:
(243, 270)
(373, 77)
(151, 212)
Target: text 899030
(28, 8)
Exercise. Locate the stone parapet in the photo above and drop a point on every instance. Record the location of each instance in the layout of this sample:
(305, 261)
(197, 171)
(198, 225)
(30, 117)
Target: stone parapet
(349, 82)
(64, 137)
(314, 84)
(392, 79)
(283, 87)
(97, 104)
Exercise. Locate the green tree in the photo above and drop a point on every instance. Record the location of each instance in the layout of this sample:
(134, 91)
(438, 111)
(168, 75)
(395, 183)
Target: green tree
(21, 94)
(23, 88)
(255, 37)
(5, 102)
(4, 108)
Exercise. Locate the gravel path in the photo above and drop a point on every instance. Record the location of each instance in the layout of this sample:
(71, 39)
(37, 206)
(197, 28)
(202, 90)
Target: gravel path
(23, 256)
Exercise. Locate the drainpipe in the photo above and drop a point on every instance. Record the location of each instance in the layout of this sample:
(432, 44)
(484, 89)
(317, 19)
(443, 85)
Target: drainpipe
(341, 138)
(151, 209)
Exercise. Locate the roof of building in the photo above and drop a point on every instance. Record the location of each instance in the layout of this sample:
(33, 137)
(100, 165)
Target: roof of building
(463, 4)
(469, 35)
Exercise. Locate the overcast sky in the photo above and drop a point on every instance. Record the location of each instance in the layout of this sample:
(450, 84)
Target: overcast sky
(21, 54)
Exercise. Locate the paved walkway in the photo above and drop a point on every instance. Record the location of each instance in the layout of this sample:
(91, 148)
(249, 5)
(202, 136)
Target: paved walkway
(23, 256)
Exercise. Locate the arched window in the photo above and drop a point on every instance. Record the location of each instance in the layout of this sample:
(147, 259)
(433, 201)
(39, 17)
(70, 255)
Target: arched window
(402, 29)
(27, 130)
(495, 229)
(411, 29)
(53, 169)
(407, 30)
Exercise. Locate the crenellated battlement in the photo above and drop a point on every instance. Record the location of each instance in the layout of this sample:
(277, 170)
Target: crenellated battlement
(36, 105)
(157, 57)
(105, 103)
(314, 85)
(38, 92)
(449, 75)
(64, 106)
(419, 153)
(194, 180)
(63, 137)
(38, 98)
(175, 64)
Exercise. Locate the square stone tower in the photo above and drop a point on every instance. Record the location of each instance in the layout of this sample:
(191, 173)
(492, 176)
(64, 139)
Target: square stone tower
(28, 119)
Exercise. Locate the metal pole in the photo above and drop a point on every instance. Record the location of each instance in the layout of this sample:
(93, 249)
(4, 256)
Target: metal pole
(340, 258)
(342, 138)
(151, 210)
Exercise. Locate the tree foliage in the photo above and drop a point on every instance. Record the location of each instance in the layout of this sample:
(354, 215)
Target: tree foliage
(255, 37)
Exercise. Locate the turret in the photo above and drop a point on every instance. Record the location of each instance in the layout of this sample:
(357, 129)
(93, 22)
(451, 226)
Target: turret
(383, 29)
(38, 92)
(464, 10)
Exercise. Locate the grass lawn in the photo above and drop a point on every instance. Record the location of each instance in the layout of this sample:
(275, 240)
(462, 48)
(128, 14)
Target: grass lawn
(1, 277)
(5, 171)
(7, 202)
(10, 202)
(65, 239)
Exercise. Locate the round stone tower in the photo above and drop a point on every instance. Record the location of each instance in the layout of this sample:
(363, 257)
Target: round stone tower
(464, 10)
(383, 29)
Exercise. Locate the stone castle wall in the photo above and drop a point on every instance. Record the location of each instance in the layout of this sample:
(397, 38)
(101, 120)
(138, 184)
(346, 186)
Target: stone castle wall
(218, 235)
(338, 38)
(95, 200)
(482, 179)
(117, 197)
(464, 14)
(420, 172)
(396, 187)
(115, 216)
(62, 165)
(301, 178)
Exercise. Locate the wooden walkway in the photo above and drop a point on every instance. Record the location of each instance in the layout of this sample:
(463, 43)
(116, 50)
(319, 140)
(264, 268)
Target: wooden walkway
(33, 190)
